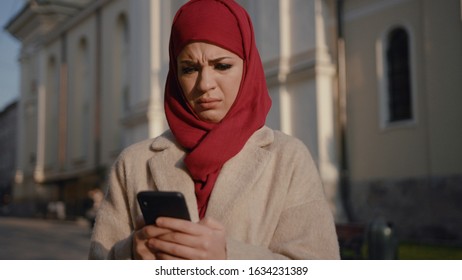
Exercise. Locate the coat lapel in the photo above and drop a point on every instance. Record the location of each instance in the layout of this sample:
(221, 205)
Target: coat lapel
(240, 173)
(236, 176)
(166, 178)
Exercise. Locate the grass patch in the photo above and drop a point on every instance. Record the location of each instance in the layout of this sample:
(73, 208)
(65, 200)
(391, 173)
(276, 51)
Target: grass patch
(410, 251)
(414, 251)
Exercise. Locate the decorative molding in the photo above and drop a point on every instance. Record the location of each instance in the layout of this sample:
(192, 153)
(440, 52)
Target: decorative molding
(72, 22)
(36, 19)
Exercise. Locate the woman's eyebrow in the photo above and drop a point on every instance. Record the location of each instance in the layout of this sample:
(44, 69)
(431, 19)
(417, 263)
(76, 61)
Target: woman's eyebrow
(213, 60)
(218, 59)
(187, 61)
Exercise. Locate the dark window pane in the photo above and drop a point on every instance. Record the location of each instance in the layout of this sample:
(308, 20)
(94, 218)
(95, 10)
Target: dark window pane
(399, 85)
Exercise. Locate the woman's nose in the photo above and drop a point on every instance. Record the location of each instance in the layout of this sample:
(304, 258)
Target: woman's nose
(205, 80)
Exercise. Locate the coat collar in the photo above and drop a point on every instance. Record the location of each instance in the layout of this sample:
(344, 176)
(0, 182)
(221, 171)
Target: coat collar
(238, 173)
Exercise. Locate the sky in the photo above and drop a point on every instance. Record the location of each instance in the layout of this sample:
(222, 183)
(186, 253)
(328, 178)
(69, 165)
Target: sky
(9, 53)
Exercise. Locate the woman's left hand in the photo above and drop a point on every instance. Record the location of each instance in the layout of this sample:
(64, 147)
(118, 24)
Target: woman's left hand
(205, 240)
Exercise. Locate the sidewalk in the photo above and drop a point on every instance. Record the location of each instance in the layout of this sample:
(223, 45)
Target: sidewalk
(35, 239)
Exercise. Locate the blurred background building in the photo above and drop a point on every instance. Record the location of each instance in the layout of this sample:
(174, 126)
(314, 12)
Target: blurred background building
(373, 88)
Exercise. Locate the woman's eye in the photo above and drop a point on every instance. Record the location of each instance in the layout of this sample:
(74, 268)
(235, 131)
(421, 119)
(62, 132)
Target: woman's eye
(223, 66)
(187, 70)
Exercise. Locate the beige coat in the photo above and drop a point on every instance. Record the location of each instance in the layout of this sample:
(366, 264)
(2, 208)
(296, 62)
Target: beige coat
(269, 197)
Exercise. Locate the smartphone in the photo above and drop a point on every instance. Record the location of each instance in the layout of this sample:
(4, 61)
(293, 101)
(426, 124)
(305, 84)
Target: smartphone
(156, 204)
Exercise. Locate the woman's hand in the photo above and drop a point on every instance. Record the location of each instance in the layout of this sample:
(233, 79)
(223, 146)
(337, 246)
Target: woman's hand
(141, 237)
(182, 239)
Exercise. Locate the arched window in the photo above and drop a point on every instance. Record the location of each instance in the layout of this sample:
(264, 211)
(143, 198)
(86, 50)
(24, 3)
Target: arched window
(398, 73)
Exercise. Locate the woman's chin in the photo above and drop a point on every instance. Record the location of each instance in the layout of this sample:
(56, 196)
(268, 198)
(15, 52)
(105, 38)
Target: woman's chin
(211, 116)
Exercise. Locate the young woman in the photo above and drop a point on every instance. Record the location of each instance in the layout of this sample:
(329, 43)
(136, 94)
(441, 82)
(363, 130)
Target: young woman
(252, 192)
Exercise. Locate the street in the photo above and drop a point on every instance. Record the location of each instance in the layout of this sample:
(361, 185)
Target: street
(38, 239)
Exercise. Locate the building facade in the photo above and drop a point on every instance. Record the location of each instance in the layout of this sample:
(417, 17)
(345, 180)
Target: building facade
(403, 68)
(371, 87)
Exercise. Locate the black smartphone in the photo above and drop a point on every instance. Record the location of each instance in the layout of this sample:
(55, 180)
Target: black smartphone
(156, 204)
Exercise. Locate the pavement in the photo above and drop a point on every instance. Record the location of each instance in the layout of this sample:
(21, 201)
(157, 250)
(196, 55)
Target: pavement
(39, 239)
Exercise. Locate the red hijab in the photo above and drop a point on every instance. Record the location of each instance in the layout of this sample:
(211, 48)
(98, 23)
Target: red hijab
(209, 145)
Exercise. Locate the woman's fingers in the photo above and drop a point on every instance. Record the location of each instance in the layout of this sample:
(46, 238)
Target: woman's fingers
(141, 251)
(140, 239)
(168, 250)
(203, 240)
(179, 225)
(179, 239)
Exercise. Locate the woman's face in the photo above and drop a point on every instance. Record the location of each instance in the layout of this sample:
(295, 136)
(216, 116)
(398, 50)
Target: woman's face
(210, 78)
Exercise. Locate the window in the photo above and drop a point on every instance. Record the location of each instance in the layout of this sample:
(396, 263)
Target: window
(395, 78)
(398, 76)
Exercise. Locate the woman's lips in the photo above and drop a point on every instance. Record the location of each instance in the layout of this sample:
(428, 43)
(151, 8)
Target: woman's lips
(208, 102)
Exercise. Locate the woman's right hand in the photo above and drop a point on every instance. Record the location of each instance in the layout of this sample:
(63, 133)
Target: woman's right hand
(140, 239)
